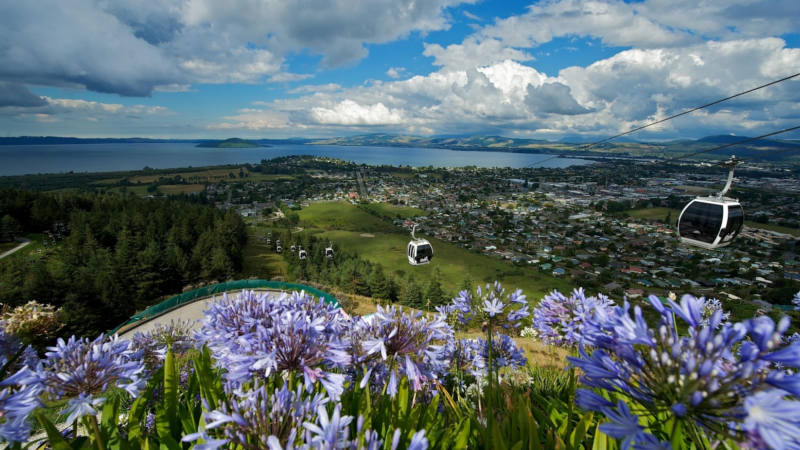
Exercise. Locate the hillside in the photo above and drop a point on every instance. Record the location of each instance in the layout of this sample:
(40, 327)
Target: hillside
(230, 143)
(669, 149)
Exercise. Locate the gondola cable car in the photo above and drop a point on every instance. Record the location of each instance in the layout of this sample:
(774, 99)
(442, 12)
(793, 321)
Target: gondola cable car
(302, 254)
(712, 221)
(329, 251)
(419, 251)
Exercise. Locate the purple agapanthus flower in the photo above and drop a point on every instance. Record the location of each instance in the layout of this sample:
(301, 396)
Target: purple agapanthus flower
(153, 344)
(20, 386)
(255, 334)
(473, 354)
(257, 416)
(19, 396)
(330, 432)
(81, 370)
(394, 343)
(491, 302)
(560, 320)
(703, 377)
(772, 420)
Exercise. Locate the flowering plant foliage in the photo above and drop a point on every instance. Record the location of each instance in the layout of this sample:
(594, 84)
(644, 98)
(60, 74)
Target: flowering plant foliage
(394, 343)
(474, 354)
(20, 386)
(491, 303)
(81, 370)
(715, 379)
(154, 343)
(258, 333)
(560, 320)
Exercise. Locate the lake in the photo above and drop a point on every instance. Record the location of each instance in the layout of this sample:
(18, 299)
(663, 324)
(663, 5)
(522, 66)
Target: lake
(25, 159)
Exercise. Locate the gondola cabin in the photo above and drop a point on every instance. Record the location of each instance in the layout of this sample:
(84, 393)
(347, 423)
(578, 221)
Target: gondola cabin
(278, 248)
(710, 222)
(302, 254)
(293, 248)
(713, 221)
(329, 252)
(419, 252)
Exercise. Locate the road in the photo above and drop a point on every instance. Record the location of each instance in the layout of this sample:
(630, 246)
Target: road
(25, 241)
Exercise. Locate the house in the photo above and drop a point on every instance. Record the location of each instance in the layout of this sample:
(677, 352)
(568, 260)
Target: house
(634, 293)
(558, 271)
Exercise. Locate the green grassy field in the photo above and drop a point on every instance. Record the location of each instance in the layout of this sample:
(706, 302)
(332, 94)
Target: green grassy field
(172, 189)
(346, 225)
(259, 261)
(391, 212)
(342, 216)
(661, 213)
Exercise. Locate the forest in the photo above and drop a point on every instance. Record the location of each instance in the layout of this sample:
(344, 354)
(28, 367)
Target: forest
(107, 256)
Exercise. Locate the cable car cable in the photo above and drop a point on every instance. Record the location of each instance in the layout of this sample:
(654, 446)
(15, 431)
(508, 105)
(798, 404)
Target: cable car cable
(689, 111)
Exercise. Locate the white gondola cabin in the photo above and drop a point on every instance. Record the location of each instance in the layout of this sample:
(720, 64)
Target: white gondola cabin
(419, 251)
(329, 252)
(302, 254)
(713, 221)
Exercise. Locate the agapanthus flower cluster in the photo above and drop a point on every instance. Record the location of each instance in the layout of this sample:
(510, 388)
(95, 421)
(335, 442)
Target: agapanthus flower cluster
(560, 320)
(473, 355)
(491, 303)
(81, 370)
(254, 415)
(255, 334)
(20, 386)
(710, 307)
(154, 343)
(716, 376)
(12, 350)
(392, 343)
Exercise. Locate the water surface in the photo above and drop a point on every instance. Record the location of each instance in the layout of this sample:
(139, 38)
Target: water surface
(25, 159)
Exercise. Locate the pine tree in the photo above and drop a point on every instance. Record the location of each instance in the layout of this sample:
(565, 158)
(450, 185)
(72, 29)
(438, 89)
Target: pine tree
(379, 285)
(412, 295)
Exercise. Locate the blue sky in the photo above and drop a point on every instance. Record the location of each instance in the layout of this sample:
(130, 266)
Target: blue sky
(251, 68)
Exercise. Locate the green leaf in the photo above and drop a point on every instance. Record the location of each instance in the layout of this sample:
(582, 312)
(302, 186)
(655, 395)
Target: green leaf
(579, 434)
(600, 439)
(110, 416)
(57, 442)
(461, 435)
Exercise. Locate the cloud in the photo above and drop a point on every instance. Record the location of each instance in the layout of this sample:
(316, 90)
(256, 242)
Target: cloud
(133, 47)
(348, 112)
(252, 119)
(56, 43)
(553, 98)
(396, 72)
(15, 94)
(608, 96)
(472, 53)
(311, 88)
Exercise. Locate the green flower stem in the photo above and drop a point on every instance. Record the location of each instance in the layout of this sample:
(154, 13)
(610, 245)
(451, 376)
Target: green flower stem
(97, 436)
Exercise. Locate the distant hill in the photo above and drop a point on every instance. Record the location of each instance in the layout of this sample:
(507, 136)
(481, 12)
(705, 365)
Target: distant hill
(59, 140)
(763, 149)
(230, 143)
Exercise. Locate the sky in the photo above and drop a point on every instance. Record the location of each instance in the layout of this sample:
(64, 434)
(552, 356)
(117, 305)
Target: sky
(558, 69)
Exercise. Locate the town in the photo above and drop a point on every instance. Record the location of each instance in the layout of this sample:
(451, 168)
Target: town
(609, 227)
